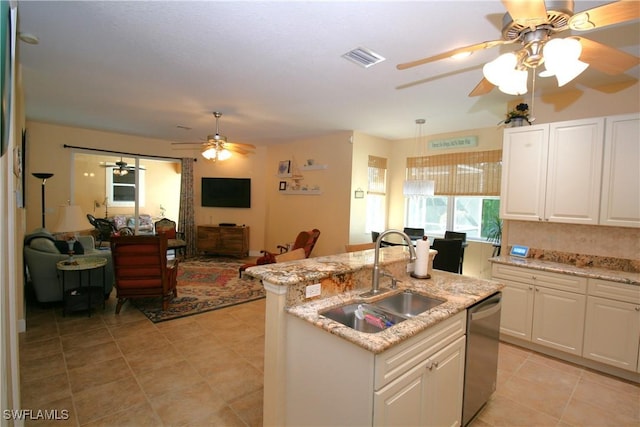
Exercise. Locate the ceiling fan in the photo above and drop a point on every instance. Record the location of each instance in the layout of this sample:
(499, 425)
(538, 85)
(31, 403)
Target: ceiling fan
(217, 147)
(531, 24)
(120, 168)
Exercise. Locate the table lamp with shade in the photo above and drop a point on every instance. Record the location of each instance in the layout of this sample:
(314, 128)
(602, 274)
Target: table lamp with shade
(71, 220)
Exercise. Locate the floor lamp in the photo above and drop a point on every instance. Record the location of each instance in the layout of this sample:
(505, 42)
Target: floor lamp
(43, 176)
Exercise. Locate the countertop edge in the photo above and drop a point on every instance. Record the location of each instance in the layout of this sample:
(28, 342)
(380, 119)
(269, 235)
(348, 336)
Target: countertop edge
(556, 267)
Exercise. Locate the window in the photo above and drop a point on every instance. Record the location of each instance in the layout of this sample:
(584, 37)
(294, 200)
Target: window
(467, 189)
(121, 189)
(376, 194)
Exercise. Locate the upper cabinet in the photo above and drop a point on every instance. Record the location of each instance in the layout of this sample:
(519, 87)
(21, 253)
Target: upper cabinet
(555, 172)
(620, 200)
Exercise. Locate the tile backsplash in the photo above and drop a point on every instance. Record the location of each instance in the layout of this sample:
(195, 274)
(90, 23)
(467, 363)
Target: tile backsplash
(615, 248)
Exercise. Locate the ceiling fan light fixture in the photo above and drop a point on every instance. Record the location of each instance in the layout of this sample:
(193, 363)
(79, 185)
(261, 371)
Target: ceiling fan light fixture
(499, 69)
(515, 83)
(561, 58)
(120, 171)
(224, 154)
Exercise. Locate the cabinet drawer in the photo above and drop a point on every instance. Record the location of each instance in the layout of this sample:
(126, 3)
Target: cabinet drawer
(614, 290)
(517, 274)
(391, 364)
(531, 276)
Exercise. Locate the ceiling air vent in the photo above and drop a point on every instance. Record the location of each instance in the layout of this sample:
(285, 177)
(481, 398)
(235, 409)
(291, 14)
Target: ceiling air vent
(363, 57)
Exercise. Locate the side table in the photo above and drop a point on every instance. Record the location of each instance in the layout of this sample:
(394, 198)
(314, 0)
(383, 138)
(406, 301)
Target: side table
(82, 297)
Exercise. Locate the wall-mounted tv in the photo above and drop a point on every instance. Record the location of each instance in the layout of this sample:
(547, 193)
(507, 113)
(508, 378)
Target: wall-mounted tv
(226, 192)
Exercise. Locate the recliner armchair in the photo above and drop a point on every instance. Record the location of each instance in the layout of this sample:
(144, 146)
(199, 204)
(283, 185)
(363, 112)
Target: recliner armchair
(40, 258)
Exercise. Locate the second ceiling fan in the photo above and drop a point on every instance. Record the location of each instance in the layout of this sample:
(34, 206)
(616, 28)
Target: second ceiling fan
(531, 24)
(217, 147)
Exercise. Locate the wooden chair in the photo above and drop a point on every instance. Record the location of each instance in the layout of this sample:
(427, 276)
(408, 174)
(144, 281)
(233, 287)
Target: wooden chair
(306, 240)
(168, 227)
(141, 269)
(449, 253)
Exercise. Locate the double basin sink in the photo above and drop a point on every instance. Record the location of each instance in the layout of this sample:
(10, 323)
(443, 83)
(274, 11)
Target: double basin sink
(380, 315)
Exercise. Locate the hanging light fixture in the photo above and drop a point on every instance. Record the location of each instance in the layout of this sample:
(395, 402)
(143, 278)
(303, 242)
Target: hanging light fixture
(418, 187)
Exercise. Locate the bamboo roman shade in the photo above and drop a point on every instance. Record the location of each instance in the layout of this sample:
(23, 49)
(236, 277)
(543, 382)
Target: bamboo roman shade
(377, 175)
(475, 173)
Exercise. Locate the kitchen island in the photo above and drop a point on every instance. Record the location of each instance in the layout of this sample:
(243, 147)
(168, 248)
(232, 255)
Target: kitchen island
(292, 318)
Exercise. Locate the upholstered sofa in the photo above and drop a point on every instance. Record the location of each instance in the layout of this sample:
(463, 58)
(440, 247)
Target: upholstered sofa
(145, 222)
(41, 255)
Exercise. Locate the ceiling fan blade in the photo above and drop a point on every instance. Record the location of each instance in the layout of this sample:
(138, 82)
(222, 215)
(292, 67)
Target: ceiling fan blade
(608, 14)
(606, 58)
(241, 144)
(238, 150)
(470, 49)
(527, 12)
(482, 88)
(187, 143)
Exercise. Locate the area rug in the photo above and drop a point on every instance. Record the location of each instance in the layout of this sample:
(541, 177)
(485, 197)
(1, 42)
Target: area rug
(204, 284)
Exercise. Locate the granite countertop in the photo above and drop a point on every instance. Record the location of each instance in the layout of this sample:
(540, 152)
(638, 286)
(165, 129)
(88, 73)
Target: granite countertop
(458, 291)
(557, 267)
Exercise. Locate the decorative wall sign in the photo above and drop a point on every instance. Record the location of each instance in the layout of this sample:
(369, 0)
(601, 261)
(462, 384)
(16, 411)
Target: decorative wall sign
(461, 142)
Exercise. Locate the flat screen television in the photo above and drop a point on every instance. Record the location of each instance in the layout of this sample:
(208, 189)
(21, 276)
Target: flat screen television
(226, 192)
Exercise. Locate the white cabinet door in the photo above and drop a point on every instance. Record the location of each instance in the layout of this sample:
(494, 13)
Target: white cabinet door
(611, 332)
(517, 309)
(429, 394)
(443, 402)
(620, 201)
(524, 171)
(558, 319)
(574, 171)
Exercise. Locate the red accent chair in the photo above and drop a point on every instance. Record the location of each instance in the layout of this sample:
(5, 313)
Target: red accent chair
(305, 240)
(141, 269)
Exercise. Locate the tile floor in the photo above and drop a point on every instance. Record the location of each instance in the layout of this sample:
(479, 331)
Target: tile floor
(206, 370)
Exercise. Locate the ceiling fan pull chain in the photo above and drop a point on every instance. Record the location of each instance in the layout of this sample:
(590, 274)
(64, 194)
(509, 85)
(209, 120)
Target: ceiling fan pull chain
(533, 96)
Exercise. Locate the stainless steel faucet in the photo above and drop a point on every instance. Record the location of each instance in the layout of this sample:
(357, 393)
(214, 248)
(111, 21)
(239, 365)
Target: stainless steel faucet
(375, 280)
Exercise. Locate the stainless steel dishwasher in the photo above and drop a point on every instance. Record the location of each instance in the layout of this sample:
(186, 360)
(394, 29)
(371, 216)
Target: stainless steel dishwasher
(481, 368)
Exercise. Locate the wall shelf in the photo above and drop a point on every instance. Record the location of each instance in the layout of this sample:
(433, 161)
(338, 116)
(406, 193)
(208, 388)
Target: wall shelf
(301, 192)
(313, 167)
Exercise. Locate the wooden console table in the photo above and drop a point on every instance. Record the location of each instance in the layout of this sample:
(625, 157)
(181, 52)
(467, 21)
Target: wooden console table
(223, 240)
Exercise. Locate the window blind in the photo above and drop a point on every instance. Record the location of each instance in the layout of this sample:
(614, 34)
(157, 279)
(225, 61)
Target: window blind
(475, 173)
(377, 171)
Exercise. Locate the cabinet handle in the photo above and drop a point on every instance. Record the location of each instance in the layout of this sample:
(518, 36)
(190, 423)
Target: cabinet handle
(430, 365)
(530, 288)
(637, 308)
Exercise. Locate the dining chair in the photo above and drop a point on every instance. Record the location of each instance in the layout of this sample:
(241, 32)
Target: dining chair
(414, 233)
(461, 236)
(448, 256)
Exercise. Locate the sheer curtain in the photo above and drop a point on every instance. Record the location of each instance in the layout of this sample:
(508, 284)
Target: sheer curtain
(186, 217)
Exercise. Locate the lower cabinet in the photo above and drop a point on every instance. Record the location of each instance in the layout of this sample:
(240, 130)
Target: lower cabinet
(612, 326)
(223, 240)
(542, 307)
(330, 381)
(594, 319)
(428, 395)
